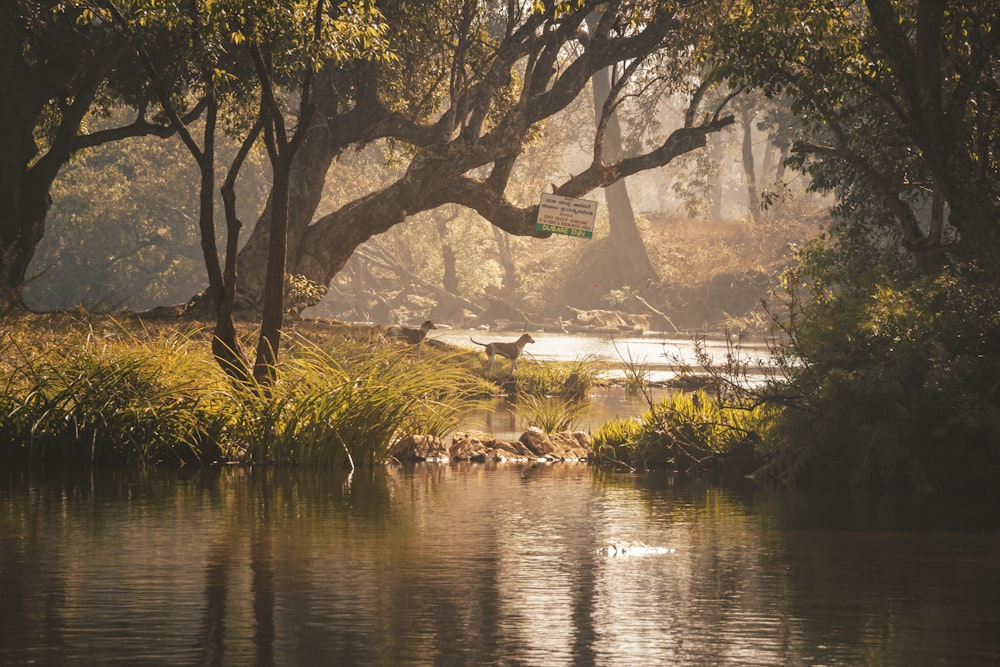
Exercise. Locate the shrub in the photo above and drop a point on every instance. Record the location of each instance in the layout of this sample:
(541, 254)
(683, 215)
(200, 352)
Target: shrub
(897, 386)
(682, 431)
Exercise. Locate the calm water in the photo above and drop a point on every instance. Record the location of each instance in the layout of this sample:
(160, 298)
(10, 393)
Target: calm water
(501, 418)
(465, 564)
(659, 355)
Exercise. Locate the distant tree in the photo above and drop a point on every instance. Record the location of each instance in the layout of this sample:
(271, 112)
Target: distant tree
(632, 265)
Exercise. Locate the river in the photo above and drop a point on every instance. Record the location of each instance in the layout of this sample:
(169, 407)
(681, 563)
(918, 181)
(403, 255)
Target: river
(660, 355)
(472, 564)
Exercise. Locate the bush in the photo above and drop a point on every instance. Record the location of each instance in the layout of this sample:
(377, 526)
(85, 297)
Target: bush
(682, 431)
(897, 386)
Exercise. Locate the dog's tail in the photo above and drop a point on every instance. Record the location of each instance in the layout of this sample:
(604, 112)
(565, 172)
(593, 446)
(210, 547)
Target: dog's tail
(477, 342)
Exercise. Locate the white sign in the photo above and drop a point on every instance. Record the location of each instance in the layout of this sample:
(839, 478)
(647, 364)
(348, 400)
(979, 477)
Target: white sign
(566, 215)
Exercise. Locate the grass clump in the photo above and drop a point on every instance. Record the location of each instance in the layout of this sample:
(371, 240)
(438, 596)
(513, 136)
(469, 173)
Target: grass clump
(89, 394)
(551, 414)
(105, 399)
(345, 405)
(570, 380)
(681, 432)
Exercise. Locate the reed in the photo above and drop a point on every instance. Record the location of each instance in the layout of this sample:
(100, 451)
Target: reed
(551, 414)
(345, 405)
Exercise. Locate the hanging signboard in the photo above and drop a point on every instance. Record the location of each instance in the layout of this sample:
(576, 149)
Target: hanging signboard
(566, 215)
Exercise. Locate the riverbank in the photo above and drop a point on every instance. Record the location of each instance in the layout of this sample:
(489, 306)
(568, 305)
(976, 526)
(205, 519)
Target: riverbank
(85, 390)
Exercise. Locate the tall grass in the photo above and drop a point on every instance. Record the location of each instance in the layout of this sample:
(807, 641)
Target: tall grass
(96, 398)
(82, 397)
(345, 406)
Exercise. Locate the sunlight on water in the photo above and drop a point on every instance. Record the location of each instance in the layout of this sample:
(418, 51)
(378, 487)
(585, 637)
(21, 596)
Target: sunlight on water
(660, 355)
(472, 564)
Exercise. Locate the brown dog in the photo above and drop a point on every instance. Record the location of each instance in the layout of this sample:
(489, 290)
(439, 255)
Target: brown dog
(409, 334)
(509, 350)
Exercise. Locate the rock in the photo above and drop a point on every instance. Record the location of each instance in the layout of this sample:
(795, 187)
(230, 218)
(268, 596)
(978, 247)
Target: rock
(420, 448)
(509, 451)
(537, 442)
(575, 445)
(476, 446)
(559, 446)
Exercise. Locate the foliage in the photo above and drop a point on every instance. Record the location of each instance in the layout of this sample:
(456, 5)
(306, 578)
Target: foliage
(551, 414)
(682, 431)
(92, 394)
(894, 385)
(122, 230)
(897, 108)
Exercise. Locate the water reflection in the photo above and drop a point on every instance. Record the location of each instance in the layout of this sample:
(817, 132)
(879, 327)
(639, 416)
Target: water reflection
(499, 416)
(472, 564)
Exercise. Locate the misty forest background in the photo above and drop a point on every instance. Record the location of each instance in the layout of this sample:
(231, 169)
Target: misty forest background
(122, 234)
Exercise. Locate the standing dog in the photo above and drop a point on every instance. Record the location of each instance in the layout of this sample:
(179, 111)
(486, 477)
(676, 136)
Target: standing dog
(409, 334)
(509, 350)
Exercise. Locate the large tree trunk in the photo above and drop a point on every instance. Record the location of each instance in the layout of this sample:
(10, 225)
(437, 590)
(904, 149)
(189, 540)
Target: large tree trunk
(26, 178)
(308, 175)
(631, 265)
(25, 203)
(330, 131)
(749, 169)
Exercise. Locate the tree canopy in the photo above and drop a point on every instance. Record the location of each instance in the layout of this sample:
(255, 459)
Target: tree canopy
(898, 108)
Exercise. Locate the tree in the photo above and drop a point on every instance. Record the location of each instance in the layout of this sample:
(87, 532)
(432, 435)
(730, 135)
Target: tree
(479, 88)
(891, 319)
(282, 44)
(56, 67)
(899, 105)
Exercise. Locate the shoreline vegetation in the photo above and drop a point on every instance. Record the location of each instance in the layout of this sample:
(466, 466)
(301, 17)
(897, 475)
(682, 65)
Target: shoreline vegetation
(86, 390)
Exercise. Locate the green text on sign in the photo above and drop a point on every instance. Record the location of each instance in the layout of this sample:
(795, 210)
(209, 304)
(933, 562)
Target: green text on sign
(568, 231)
(566, 215)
